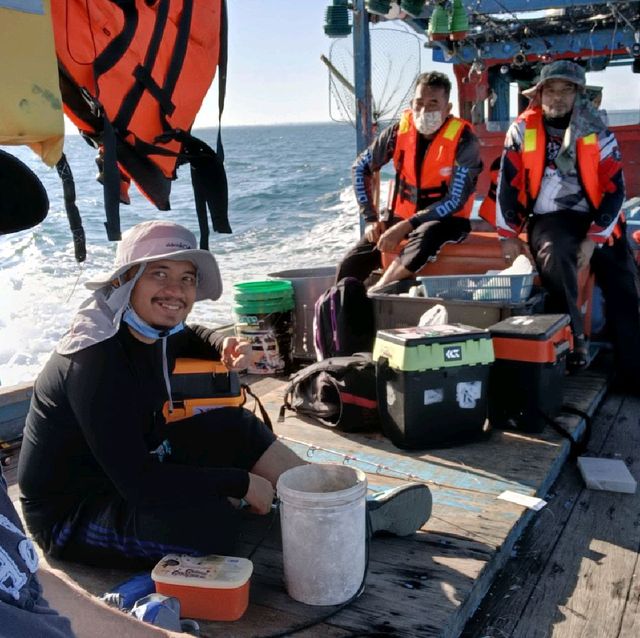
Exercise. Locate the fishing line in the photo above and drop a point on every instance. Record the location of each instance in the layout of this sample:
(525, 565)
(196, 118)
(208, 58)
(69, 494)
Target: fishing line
(380, 467)
(75, 283)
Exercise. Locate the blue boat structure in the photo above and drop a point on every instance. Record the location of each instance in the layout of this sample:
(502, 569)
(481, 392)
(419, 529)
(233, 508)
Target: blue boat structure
(516, 544)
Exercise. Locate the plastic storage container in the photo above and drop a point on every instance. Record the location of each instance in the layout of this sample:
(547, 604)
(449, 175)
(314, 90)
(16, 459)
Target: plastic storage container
(323, 521)
(308, 284)
(199, 385)
(392, 308)
(432, 383)
(527, 378)
(503, 288)
(208, 587)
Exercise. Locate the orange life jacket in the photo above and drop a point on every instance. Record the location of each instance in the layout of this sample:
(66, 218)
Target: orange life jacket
(437, 166)
(534, 155)
(488, 207)
(133, 77)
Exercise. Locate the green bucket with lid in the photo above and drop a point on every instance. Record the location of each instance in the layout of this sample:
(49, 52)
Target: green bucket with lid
(260, 297)
(264, 317)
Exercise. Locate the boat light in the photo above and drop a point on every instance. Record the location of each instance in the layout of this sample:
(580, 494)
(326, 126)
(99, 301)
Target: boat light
(336, 24)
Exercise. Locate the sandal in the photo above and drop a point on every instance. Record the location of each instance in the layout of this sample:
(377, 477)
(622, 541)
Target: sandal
(578, 359)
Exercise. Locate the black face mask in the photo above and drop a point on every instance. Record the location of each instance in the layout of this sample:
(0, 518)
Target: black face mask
(23, 199)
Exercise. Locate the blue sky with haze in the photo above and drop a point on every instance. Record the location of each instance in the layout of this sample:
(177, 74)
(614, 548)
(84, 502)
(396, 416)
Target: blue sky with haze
(275, 74)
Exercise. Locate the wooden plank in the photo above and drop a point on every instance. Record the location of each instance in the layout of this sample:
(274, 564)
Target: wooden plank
(13, 393)
(504, 604)
(575, 566)
(598, 551)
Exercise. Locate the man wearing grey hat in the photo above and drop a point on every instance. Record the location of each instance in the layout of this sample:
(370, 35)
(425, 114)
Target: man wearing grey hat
(561, 175)
(103, 478)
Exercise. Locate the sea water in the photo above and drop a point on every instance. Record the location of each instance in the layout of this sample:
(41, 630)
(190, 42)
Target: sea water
(291, 205)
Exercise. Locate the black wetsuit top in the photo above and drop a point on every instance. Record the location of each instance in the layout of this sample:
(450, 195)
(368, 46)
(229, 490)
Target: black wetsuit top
(94, 418)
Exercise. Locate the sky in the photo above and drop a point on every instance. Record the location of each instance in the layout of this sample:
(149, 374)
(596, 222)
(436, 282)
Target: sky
(275, 74)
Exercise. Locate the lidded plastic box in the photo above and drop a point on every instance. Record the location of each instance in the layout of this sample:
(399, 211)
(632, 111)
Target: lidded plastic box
(432, 383)
(208, 587)
(199, 385)
(527, 378)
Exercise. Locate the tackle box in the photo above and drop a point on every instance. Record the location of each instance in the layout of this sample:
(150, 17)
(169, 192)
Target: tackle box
(432, 383)
(198, 385)
(394, 308)
(527, 377)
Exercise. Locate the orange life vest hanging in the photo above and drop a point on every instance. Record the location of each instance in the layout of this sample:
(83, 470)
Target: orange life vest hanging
(534, 158)
(437, 166)
(133, 77)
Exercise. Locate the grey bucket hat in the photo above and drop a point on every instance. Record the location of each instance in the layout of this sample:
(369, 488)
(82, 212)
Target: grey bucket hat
(559, 70)
(155, 240)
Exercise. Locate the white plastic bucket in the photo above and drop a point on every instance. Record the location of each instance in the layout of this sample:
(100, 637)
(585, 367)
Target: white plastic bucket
(323, 520)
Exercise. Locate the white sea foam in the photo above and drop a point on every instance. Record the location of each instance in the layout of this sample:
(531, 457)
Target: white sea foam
(287, 212)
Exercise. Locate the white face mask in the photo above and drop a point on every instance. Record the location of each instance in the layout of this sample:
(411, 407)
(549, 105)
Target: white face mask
(428, 122)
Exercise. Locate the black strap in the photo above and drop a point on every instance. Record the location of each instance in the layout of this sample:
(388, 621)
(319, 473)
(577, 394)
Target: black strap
(179, 49)
(577, 448)
(111, 181)
(118, 45)
(223, 56)
(132, 99)
(263, 413)
(73, 214)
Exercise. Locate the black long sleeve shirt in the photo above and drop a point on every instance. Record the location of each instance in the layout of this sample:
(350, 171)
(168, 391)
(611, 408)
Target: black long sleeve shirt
(94, 418)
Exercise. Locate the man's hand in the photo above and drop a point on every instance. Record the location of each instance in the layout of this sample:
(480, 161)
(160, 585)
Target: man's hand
(511, 248)
(394, 235)
(585, 252)
(373, 230)
(235, 353)
(259, 494)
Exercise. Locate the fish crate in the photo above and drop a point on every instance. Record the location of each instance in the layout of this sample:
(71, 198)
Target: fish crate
(402, 303)
(492, 288)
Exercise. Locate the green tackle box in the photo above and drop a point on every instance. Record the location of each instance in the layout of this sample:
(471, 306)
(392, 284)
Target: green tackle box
(432, 383)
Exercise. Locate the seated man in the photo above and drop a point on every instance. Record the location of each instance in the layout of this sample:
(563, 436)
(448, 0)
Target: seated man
(561, 172)
(437, 162)
(23, 610)
(104, 479)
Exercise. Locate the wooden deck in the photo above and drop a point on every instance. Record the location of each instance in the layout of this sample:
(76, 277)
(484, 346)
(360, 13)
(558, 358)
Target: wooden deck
(575, 571)
(432, 583)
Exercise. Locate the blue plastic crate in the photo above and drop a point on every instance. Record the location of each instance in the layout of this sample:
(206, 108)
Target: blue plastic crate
(499, 288)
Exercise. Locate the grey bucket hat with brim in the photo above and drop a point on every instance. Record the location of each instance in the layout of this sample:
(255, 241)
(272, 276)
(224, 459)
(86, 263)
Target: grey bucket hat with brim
(155, 240)
(559, 70)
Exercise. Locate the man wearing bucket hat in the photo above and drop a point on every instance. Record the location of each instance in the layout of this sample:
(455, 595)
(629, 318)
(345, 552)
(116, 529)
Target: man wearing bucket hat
(104, 479)
(561, 174)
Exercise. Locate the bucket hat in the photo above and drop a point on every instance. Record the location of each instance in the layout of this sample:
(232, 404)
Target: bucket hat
(23, 199)
(155, 240)
(559, 70)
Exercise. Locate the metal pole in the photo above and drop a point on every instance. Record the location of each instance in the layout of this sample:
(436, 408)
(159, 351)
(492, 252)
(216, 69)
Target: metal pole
(362, 75)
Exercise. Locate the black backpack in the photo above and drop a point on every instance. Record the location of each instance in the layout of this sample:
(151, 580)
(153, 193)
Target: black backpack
(343, 320)
(339, 392)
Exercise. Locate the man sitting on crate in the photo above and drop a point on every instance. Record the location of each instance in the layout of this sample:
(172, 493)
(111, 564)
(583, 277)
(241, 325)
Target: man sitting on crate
(437, 162)
(104, 478)
(561, 170)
